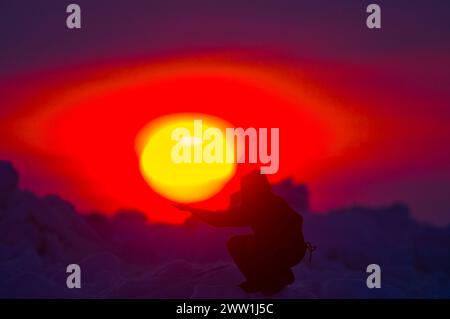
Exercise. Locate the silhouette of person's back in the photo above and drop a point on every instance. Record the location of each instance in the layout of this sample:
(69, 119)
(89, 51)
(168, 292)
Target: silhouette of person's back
(265, 257)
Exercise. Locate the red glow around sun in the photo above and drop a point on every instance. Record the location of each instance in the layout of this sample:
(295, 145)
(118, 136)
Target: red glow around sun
(85, 128)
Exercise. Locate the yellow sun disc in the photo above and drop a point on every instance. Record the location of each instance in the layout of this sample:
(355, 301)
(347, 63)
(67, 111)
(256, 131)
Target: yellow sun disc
(181, 160)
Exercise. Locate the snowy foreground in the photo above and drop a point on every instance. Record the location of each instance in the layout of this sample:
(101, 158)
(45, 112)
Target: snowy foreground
(127, 257)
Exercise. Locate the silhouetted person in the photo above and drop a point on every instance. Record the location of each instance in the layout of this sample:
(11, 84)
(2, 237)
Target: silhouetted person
(265, 257)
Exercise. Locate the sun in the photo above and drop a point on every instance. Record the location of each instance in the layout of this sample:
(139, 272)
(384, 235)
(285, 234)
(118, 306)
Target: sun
(182, 181)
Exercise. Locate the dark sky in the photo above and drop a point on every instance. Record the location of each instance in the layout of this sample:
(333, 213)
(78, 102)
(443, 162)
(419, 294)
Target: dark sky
(34, 35)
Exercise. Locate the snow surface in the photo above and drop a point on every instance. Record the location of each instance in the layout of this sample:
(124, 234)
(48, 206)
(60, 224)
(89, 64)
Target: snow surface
(125, 256)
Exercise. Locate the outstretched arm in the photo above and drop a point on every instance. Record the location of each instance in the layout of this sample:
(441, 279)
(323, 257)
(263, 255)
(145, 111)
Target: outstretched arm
(224, 218)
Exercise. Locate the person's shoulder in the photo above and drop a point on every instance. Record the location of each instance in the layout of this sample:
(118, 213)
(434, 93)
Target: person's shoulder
(280, 201)
(284, 205)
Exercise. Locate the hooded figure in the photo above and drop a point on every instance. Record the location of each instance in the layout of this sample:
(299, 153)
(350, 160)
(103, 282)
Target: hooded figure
(276, 244)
